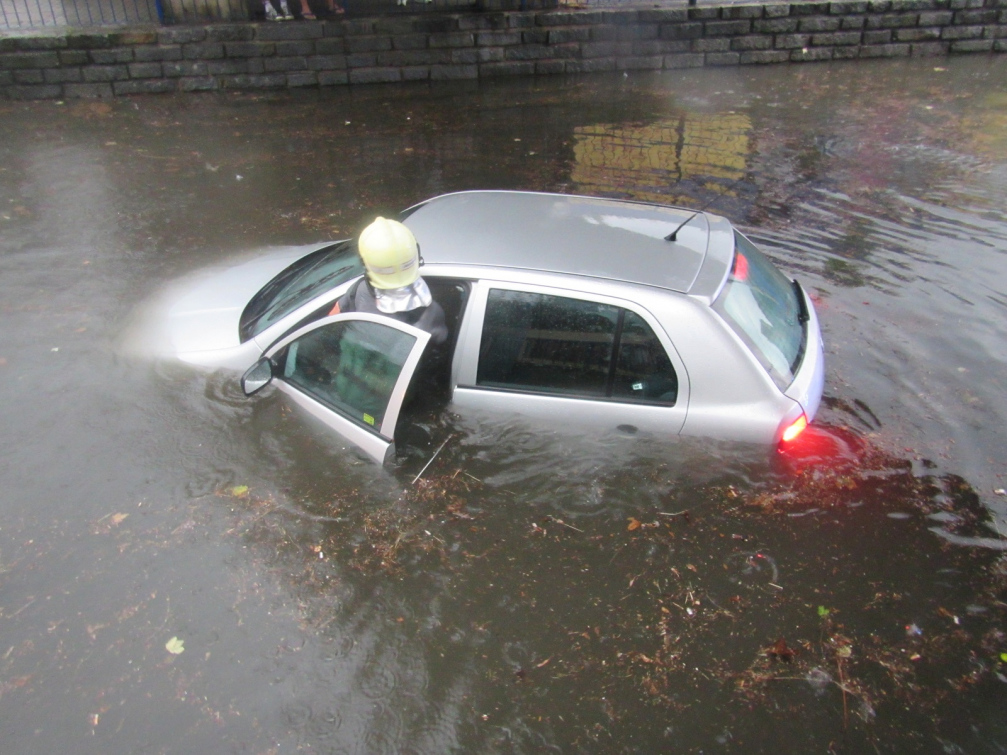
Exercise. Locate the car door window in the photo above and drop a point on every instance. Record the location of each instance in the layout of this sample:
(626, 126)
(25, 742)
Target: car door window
(350, 366)
(552, 344)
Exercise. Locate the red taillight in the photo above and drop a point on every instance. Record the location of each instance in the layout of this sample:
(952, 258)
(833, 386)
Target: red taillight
(740, 271)
(794, 429)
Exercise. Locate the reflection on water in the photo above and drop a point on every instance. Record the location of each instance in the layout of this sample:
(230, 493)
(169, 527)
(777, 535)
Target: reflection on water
(530, 590)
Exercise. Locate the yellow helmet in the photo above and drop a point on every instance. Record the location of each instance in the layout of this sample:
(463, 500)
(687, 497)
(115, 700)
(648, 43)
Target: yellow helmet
(390, 254)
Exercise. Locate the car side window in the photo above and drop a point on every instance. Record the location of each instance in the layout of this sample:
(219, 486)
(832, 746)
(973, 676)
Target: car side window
(351, 367)
(559, 345)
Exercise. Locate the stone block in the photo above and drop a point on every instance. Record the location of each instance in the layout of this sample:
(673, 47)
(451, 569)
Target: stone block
(776, 11)
(699, 13)
(711, 45)
(286, 65)
(197, 84)
(230, 67)
(917, 35)
(87, 91)
(500, 38)
(885, 51)
(727, 28)
(685, 60)
(809, 9)
(598, 49)
(285, 32)
(249, 49)
(681, 31)
(73, 57)
(844, 8)
(173, 69)
(762, 57)
(507, 68)
(374, 75)
(930, 49)
(775, 25)
(143, 86)
(596, 65)
(961, 32)
(452, 39)
(287, 49)
(815, 24)
(723, 58)
(572, 34)
(664, 15)
(463, 56)
(756, 42)
(88, 41)
(892, 21)
(368, 44)
(936, 18)
(327, 62)
(160, 52)
(38, 92)
(14, 60)
(302, 79)
(846, 53)
(550, 67)
(43, 41)
(810, 54)
(732, 12)
(365, 60)
(28, 76)
(792, 41)
(365, 26)
(111, 56)
(333, 46)
(62, 75)
(850, 23)
(134, 37)
(541, 36)
(333, 78)
(180, 35)
(399, 58)
(836, 38)
(416, 73)
(145, 70)
(980, 16)
(972, 45)
(105, 73)
(880, 37)
(203, 51)
(230, 33)
(641, 63)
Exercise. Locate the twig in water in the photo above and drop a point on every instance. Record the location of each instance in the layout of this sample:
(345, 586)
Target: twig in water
(677, 513)
(432, 458)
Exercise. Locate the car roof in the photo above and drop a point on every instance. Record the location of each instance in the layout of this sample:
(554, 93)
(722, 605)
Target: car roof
(575, 235)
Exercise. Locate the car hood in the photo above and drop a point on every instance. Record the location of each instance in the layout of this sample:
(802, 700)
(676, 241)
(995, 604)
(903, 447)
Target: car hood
(199, 314)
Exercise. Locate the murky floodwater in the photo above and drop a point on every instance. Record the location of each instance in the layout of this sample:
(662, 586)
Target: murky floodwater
(531, 592)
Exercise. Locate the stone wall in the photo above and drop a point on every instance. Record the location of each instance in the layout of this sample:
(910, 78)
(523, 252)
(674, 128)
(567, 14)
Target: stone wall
(481, 45)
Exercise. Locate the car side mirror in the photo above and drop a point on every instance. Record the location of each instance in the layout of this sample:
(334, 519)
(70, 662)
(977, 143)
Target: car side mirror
(257, 377)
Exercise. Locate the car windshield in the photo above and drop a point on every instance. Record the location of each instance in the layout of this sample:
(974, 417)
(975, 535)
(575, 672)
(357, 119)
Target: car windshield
(300, 283)
(765, 310)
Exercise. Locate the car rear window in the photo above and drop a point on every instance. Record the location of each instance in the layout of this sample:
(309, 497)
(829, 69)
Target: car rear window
(300, 283)
(765, 310)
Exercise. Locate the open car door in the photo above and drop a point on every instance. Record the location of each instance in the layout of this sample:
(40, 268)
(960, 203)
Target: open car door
(351, 371)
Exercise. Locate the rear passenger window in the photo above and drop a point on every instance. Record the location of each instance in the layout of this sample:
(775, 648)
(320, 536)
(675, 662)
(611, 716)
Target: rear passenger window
(558, 345)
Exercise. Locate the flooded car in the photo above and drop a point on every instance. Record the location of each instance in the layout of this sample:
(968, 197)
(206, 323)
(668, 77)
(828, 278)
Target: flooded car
(577, 311)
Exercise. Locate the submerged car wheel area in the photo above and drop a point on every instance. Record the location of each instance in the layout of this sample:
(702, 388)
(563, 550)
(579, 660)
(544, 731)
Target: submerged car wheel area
(573, 310)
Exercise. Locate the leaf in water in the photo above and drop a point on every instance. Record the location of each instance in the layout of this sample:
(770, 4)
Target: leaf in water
(634, 524)
(239, 491)
(1003, 657)
(175, 646)
(844, 652)
(117, 518)
(823, 612)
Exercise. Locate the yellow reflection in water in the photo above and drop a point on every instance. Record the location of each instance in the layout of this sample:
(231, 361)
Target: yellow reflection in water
(649, 162)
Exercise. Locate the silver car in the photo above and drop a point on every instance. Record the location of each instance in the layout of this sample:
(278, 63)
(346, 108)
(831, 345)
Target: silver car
(573, 310)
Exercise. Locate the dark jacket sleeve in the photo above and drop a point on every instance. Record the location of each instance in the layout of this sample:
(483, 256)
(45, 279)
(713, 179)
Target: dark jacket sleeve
(433, 322)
